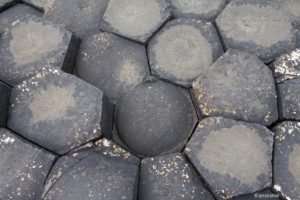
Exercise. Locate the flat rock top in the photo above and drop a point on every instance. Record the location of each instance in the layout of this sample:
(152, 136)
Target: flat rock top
(291, 7)
(182, 49)
(233, 157)
(238, 86)
(155, 118)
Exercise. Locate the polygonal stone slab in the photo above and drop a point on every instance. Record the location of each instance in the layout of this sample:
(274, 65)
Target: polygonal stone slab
(239, 86)
(233, 157)
(247, 25)
(23, 167)
(287, 160)
(4, 103)
(80, 17)
(102, 176)
(135, 19)
(58, 111)
(155, 118)
(111, 63)
(183, 49)
(202, 9)
(10, 16)
(289, 99)
(31, 44)
(266, 194)
(170, 177)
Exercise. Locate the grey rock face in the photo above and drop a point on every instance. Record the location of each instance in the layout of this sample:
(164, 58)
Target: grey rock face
(4, 103)
(58, 111)
(266, 194)
(233, 157)
(247, 25)
(291, 7)
(155, 118)
(113, 64)
(23, 168)
(40, 4)
(31, 44)
(183, 49)
(99, 175)
(287, 160)
(200, 9)
(135, 19)
(170, 177)
(238, 86)
(81, 17)
(5, 3)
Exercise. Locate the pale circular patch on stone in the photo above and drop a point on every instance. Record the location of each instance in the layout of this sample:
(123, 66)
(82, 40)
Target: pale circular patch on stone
(294, 162)
(129, 73)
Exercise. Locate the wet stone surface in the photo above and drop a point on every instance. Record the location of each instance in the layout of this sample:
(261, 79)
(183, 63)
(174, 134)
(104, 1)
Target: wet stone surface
(239, 86)
(233, 157)
(135, 19)
(111, 63)
(31, 44)
(170, 177)
(4, 103)
(247, 25)
(81, 17)
(23, 167)
(183, 49)
(199, 9)
(58, 111)
(287, 159)
(155, 118)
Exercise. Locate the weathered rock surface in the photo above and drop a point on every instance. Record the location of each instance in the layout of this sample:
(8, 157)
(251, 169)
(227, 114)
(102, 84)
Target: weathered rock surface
(5, 3)
(266, 194)
(4, 103)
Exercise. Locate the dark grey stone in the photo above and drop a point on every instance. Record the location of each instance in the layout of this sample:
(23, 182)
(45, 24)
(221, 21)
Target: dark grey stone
(200, 9)
(263, 195)
(10, 16)
(155, 118)
(182, 49)
(239, 86)
(6, 3)
(135, 19)
(59, 111)
(257, 27)
(287, 160)
(170, 177)
(81, 17)
(39, 4)
(111, 63)
(23, 167)
(233, 157)
(31, 44)
(4, 103)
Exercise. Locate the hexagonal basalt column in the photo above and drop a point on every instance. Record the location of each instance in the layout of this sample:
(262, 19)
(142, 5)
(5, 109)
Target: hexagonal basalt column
(247, 25)
(105, 172)
(287, 160)
(111, 63)
(23, 167)
(202, 9)
(58, 111)
(4, 103)
(233, 157)
(183, 49)
(135, 19)
(155, 118)
(239, 86)
(170, 177)
(31, 44)
(81, 17)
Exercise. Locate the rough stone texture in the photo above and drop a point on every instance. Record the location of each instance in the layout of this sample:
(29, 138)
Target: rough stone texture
(238, 86)
(58, 111)
(80, 17)
(31, 44)
(5, 3)
(108, 173)
(292, 8)
(287, 160)
(4, 103)
(170, 177)
(135, 19)
(23, 167)
(266, 195)
(202, 9)
(287, 66)
(10, 16)
(183, 49)
(111, 63)
(40, 4)
(248, 24)
(289, 99)
(233, 157)
(155, 118)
